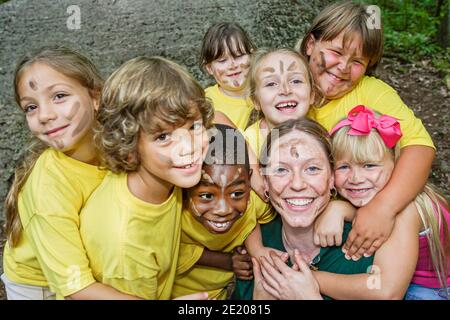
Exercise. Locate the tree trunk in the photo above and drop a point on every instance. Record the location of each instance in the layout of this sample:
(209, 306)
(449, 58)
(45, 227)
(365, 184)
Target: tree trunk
(443, 31)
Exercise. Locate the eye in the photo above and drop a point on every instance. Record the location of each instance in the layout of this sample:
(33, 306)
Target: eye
(198, 125)
(313, 169)
(280, 171)
(29, 108)
(370, 165)
(237, 194)
(59, 96)
(270, 84)
(342, 167)
(336, 52)
(206, 196)
(297, 81)
(163, 137)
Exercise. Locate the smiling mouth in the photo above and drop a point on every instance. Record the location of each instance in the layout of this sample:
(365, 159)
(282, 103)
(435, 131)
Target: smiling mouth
(357, 192)
(286, 107)
(234, 74)
(219, 226)
(55, 130)
(336, 78)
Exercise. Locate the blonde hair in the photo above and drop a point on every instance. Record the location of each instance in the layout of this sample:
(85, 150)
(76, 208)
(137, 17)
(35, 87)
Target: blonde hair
(252, 78)
(71, 64)
(364, 149)
(347, 17)
(148, 93)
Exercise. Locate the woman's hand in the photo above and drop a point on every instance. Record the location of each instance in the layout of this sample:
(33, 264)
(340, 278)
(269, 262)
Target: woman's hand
(285, 283)
(259, 293)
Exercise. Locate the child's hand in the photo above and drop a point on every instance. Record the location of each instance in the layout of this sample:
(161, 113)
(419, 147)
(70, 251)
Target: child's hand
(285, 283)
(371, 228)
(257, 183)
(328, 229)
(242, 264)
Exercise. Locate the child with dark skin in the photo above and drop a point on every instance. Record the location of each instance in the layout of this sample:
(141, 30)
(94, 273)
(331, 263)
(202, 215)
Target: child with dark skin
(220, 212)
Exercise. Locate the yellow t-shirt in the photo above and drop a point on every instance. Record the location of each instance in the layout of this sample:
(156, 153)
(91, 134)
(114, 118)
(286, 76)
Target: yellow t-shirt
(50, 251)
(132, 245)
(377, 95)
(195, 237)
(237, 109)
(254, 138)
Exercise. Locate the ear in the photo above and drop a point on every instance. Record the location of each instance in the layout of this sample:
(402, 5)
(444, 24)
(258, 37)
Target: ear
(250, 172)
(312, 97)
(95, 98)
(209, 69)
(310, 43)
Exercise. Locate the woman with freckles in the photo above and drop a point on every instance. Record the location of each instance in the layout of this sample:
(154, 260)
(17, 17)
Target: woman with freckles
(298, 178)
(220, 211)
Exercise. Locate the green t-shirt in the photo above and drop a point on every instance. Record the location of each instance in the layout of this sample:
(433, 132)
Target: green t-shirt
(330, 259)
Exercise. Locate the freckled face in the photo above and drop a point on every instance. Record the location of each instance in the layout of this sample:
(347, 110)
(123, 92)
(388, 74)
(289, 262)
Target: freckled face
(230, 72)
(282, 88)
(337, 68)
(360, 182)
(298, 178)
(221, 197)
(59, 110)
(175, 155)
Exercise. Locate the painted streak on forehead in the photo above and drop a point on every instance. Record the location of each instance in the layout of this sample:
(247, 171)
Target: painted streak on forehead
(207, 177)
(32, 84)
(292, 66)
(281, 67)
(268, 69)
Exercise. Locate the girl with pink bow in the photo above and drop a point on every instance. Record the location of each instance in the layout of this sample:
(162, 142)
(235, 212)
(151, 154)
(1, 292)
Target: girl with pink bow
(364, 150)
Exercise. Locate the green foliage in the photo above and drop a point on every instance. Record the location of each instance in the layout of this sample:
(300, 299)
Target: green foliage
(410, 29)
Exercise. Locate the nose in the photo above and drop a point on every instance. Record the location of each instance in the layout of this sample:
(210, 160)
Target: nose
(233, 63)
(297, 182)
(222, 208)
(344, 65)
(285, 89)
(355, 176)
(186, 143)
(46, 113)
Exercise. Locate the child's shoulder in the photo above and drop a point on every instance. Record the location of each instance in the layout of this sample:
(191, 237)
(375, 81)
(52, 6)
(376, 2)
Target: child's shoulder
(372, 83)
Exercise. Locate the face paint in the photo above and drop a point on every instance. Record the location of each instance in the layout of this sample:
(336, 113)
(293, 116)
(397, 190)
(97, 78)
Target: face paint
(76, 106)
(291, 66)
(236, 176)
(281, 67)
(294, 153)
(85, 122)
(244, 65)
(268, 69)
(194, 208)
(59, 144)
(207, 177)
(32, 85)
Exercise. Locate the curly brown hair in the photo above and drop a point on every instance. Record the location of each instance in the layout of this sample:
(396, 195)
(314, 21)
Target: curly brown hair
(148, 93)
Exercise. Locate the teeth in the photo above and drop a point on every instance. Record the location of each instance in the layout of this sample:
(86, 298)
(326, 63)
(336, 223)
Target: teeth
(358, 190)
(220, 225)
(287, 105)
(299, 202)
(187, 167)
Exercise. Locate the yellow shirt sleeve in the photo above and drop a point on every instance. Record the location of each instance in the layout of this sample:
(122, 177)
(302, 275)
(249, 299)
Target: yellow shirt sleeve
(384, 99)
(190, 253)
(49, 206)
(264, 211)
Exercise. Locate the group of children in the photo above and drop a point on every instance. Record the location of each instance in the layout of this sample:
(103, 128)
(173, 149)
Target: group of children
(130, 191)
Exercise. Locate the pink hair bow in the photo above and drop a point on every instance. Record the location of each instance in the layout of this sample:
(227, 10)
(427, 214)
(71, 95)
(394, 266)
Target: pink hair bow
(362, 120)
